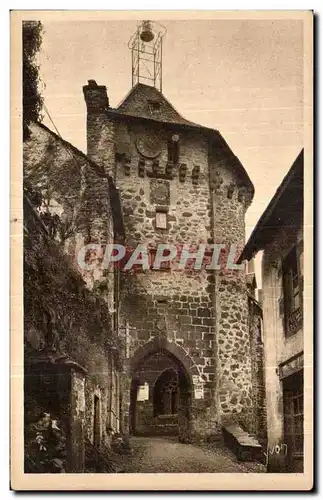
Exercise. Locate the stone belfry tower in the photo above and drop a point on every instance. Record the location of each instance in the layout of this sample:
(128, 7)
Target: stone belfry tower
(189, 359)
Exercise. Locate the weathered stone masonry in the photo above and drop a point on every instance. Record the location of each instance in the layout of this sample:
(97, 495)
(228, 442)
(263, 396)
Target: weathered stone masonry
(204, 194)
(230, 201)
(82, 202)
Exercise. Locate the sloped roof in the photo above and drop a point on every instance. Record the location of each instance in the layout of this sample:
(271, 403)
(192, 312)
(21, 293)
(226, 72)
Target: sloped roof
(146, 103)
(285, 208)
(139, 103)
(141, 100)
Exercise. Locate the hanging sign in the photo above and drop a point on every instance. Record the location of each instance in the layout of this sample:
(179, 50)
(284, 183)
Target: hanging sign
(198, 391)
(143, 392)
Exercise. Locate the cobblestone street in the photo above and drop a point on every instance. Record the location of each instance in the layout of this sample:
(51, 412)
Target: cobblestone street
(166, 454)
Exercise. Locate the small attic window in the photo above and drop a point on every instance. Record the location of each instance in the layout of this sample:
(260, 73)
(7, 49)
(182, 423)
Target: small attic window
(154, 107)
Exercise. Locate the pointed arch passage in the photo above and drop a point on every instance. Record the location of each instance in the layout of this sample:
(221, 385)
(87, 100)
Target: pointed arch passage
(161, 390)
(173, 349)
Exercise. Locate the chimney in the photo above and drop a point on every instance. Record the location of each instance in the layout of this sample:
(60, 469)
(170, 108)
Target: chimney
(96, 97)
(99, 127)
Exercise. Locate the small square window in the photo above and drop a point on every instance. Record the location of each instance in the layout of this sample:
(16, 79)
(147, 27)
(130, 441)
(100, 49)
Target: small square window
(161, 220)
(154, 107)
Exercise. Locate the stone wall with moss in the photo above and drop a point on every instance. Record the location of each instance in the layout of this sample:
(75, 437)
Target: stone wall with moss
(69, 311)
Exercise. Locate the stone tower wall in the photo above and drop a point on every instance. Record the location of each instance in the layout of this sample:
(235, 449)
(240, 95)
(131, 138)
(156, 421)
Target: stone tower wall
(174, 303)
(234, 382)
(205, 312)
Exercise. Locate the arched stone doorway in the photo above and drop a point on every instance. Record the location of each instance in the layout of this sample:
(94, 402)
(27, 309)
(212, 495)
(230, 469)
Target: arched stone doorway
(161, 390)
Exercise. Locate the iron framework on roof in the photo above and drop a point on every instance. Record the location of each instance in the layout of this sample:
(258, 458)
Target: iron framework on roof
(147, 56)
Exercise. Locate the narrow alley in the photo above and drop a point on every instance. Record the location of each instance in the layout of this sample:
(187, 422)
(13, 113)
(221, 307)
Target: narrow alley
(166, 454)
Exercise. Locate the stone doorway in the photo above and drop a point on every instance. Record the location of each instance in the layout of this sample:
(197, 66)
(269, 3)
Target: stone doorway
(160, 395)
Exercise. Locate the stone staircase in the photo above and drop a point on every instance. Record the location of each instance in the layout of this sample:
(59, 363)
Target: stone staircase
(244, 445)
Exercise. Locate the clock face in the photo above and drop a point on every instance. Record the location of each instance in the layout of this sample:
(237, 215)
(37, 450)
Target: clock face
(149, 145)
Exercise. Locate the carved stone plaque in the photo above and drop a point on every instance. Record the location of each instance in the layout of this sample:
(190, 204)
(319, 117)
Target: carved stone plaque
(159, 192)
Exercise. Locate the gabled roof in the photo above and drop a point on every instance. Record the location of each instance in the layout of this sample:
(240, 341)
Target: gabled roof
(145, 101)
(284, 209)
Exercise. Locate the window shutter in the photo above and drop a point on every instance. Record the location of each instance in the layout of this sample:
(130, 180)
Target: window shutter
(287, 286)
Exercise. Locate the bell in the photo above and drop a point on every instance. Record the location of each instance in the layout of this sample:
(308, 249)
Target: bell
(146, 34)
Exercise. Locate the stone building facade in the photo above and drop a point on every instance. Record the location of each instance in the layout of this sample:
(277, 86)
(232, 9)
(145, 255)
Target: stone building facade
(73, 356)
(279, 233)
(189, 350)
(259, 425)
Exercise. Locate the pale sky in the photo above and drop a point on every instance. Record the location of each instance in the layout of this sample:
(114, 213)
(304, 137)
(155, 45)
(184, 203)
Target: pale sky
(242, 77)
